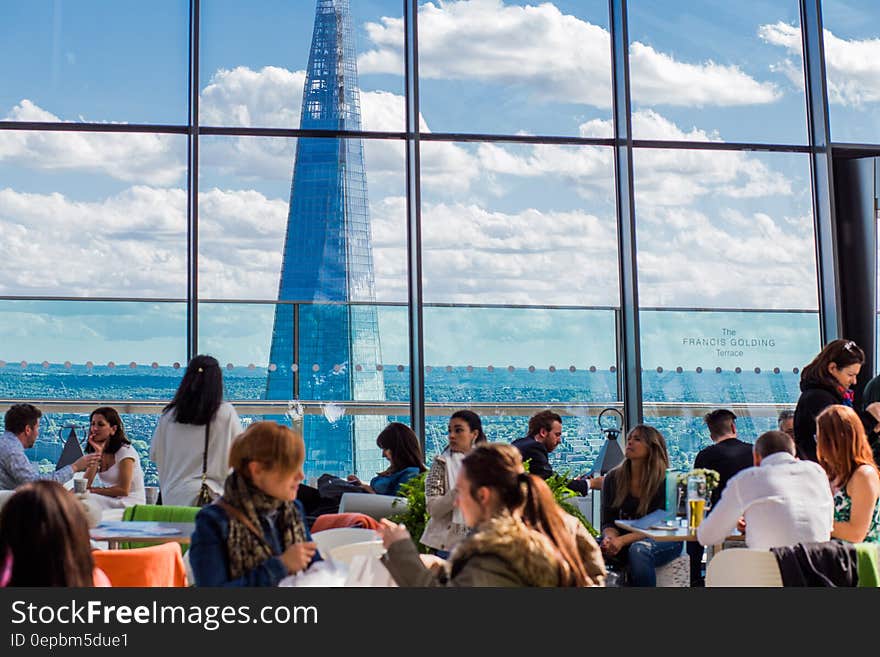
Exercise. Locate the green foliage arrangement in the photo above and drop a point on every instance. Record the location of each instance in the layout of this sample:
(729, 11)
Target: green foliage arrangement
(558, 484)
(416, 515)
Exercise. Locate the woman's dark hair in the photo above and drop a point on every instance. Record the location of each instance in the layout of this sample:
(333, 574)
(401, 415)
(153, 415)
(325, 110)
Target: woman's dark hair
(404, 446)
(653, 472)
(842, 353)
(200, 392)
(44, 531)
(474, 424)
(118, 439)
(499, 467)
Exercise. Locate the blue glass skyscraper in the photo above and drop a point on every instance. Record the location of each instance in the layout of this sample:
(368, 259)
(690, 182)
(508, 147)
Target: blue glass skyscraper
(328, 343)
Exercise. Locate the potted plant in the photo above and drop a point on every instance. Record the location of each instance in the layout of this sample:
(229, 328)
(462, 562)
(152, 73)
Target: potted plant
(415, 517)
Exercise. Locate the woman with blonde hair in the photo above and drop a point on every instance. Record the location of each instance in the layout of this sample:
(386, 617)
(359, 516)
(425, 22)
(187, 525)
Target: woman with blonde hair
(632, 490)
(255, 535)
(843, 450)
(519, 535)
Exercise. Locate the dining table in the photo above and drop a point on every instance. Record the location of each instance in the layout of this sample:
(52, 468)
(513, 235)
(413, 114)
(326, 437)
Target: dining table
(116, 532)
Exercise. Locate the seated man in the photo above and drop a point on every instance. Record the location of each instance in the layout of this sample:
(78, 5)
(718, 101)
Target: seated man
(545, 434)
(22, 423)
(784, 501)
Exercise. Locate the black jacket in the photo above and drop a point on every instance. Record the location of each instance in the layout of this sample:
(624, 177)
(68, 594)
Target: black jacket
(815, 398)
(530, 448)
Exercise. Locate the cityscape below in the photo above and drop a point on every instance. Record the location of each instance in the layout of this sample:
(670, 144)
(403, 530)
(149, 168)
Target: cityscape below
(459, 388)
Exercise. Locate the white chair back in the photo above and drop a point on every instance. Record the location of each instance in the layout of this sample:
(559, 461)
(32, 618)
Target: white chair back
(743, 567)
(345, 553)
(375, 506)
(331, 538)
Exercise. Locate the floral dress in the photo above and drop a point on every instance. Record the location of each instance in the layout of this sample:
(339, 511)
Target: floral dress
(843, 508)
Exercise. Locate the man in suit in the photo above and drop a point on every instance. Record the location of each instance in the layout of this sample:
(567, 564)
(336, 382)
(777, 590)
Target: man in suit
(545, 435)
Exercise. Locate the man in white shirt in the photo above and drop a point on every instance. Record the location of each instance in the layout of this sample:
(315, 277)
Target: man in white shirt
(784, 501)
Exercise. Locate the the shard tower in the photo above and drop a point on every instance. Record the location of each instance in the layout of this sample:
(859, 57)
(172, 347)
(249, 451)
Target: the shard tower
(326, 346)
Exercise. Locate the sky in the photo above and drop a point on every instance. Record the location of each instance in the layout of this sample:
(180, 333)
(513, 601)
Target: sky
(105, 214)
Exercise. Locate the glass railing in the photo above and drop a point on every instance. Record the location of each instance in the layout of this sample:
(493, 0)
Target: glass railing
(505, 362)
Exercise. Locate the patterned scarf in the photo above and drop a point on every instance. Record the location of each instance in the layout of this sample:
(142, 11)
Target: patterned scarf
(245, 550)
(847, 395)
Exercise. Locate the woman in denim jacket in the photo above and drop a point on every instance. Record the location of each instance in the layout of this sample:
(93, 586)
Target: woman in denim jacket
(255, 535)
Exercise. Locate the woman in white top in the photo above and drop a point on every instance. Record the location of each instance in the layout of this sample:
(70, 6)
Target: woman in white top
(446, 526)
(120, 473)
(178, 446)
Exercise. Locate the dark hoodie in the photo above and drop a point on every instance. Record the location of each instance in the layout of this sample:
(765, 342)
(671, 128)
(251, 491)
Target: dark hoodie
(815, 397)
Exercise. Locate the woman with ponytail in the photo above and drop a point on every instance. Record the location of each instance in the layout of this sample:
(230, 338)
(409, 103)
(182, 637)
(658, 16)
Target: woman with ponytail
(518, 538)
(191, 443)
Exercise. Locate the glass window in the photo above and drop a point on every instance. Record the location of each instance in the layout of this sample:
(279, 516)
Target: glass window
(509, 67)
(95, 61)
(255, 62)
(713, 71)
(728, 288)
(91, 214)
(520, 284)
(331, 246)
(852, 66)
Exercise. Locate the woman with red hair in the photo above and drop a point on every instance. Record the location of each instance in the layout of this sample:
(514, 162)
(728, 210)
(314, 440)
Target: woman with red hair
(843, 450)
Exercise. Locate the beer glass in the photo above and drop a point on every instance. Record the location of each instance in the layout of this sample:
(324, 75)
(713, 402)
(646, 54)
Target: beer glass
(696, 500)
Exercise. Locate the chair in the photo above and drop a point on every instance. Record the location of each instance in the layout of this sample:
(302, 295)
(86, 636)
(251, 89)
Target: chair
(743, 567)
(331, 538)
(160, 513)
(375, 506)
(337, 520)
(676, 573)
(157, 565)
(345, 553)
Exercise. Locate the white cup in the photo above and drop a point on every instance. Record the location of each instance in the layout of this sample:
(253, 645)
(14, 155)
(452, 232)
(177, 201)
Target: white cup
(80, 486)
(151, 493)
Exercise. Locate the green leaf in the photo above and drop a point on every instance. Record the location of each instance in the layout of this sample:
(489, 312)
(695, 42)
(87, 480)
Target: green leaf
(416, 515)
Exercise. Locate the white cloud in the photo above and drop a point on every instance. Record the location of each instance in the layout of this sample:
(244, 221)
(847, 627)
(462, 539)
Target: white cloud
(852, 65)
(134, 244)
(664, 177)
(270, 97)
(130, 244)
(549, 54)
(732, 260)
(475, 255)
(155, 159)
(657, 78)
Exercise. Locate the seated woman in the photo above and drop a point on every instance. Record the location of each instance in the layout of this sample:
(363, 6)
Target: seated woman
(843, 450)
(519, 538)
(632, 490)
(120, 470)
(255, 535)
(44, 539)
(400, 445)
(446, 525)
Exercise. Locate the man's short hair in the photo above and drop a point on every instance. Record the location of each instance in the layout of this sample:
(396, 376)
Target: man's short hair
(783, 416)
(773, 442)
(21, 416)
(543, 420)
(720, 422)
